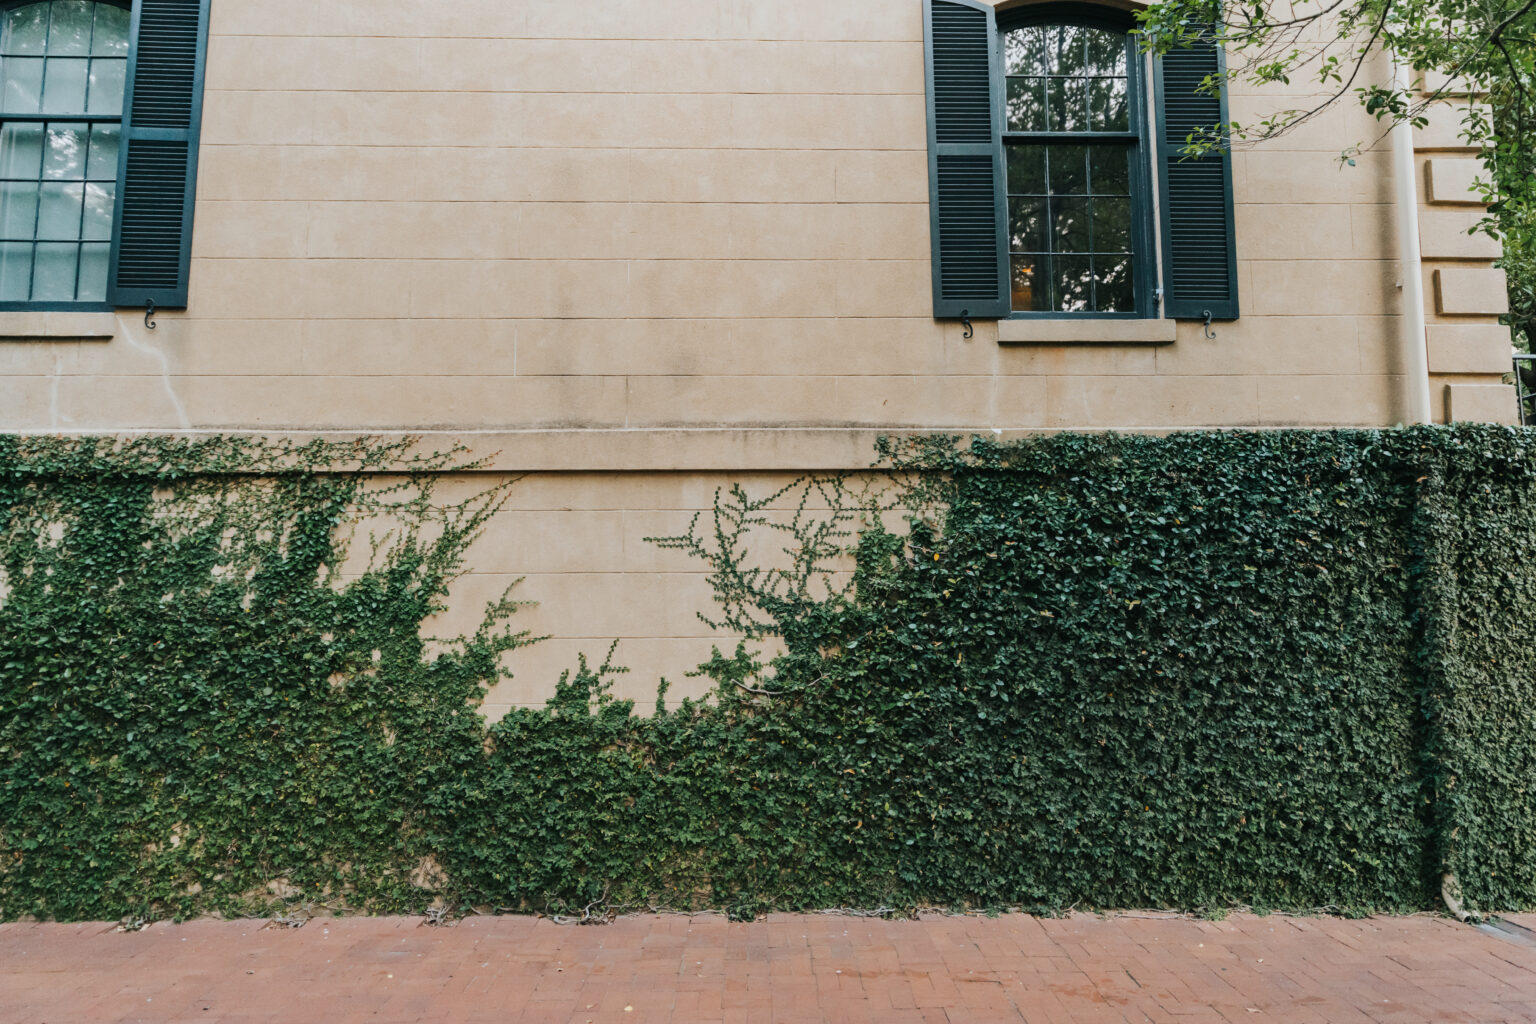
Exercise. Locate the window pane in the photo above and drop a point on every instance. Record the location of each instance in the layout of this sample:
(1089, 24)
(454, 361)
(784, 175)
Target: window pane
(97, 222)
(18, 209)
(15, 271)
(1026, 104)
(103, 159)
(93, 272)
(54, 276)
(70, 32)
(1106, 52)
(64, 156)
(1114, 290)
(21, 151)
(106, 87)
(64, 85)
(1030, 291)
(1111, 225)
(1068, 169)
(1068, 104)
(26, 30)
(21, 84)
(1024, 51)
(1074, 283)
(1026, 170)
(1107, 107)
(1026, 225)
(1065, 46)
(111, 38)
(1109, 169)
(58, 209)
(1069, 225)
(1071, 216)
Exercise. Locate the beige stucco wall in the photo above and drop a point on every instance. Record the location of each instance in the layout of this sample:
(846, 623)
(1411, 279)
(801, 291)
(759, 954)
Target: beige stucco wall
(548, 214)
(646, 249)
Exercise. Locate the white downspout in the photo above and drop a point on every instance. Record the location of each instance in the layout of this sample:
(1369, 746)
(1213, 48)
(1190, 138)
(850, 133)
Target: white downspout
(1416, 404)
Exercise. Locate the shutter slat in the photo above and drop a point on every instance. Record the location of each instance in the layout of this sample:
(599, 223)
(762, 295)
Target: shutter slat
(157, 169)
(966, 202)
(1199, 247)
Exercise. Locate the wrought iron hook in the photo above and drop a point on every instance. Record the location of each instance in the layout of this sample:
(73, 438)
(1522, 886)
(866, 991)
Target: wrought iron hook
(1208, 332)
(149, 311)
(965, 318)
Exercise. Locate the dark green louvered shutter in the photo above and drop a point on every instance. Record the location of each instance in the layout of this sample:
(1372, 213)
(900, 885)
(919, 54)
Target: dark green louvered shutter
(967, 202)
(157, 169)
(1199, 245)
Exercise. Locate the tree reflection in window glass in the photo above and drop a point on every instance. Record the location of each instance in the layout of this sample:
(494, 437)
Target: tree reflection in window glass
(1071, 211)
(62, 72)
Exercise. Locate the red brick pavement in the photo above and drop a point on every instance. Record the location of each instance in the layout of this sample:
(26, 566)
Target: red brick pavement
(777, 971)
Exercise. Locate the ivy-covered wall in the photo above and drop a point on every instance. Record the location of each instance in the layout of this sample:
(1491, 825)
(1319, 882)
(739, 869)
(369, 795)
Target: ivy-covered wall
(1284, 669)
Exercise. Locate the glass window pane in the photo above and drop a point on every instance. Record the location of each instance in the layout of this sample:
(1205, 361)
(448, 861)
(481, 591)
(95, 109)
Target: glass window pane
(1068, 104)
(1108, 110)
(1070, 225)
(1026, 225)
(70, 31)
(97, 222)
(1068, 169)
(1064, 45)
(1114, 289)
(111, 37)
(1111, 225)
(1074, 283)
(1109, 170)
(1030, 291)
(58, 209)
(1026, 170)
(93, 272)
(1026, 104)
(1106, 52)
(64, 155)
(102, 163)
(15, 271)
(64, 85)
(54, 276)
(21, 151)
(1024, 51)
(106, 86)
(25, 31)
(21, 84)
(18, 209)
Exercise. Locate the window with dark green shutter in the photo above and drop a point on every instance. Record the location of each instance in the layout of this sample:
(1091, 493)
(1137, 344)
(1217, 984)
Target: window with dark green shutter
(99, 111)
(1041, 168)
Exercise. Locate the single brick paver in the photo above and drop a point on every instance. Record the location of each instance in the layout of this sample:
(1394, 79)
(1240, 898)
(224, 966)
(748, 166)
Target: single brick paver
(786, 969)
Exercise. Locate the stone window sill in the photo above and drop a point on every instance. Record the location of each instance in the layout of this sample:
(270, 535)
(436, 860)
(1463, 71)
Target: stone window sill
(1068, 331)
(57, 326)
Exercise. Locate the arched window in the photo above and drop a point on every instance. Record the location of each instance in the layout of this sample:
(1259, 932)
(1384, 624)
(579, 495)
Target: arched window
(63, 65)
(1042, 140)
(1074, 120)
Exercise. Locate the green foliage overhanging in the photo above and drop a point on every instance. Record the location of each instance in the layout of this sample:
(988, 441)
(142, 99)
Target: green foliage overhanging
(1288, 670)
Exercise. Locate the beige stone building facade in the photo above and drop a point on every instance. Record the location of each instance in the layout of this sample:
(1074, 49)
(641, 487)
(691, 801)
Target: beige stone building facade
(640, 250)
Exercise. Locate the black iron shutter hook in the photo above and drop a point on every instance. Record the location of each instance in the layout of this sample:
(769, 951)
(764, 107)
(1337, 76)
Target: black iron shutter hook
(149, 311)
(965, 318)
(1208, 332)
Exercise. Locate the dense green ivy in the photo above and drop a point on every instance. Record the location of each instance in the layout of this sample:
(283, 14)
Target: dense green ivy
(1283, 669)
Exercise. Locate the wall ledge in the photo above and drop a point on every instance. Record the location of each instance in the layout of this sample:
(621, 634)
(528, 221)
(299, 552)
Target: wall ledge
(644, 449)
(57, 325)
(1066, 331)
